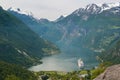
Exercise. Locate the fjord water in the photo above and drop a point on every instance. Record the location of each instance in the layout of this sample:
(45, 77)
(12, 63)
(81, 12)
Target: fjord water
(67, 60)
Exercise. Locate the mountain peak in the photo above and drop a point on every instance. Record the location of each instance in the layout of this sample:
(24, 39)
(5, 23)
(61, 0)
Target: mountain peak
(1, 8)
(18, 10)
(106, 6)
(92, 8)
(60, 18)
(78, 11)
(95, 9)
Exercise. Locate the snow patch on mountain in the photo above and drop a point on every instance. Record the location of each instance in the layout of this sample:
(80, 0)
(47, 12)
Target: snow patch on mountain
(18, 10)
(60, 18)
(95, 8)
(78, 11)
(106, 6)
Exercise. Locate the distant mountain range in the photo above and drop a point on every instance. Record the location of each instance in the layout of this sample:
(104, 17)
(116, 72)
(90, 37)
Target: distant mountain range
(95, 9)
(94, 27)
(19, 44)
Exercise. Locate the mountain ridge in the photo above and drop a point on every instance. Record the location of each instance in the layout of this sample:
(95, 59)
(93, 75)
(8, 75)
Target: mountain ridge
(94, 29)
(87, 28)
(89, 8)
(19, 44)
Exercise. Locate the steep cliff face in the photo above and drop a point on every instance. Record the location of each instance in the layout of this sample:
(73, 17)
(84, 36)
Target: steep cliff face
(111, 73)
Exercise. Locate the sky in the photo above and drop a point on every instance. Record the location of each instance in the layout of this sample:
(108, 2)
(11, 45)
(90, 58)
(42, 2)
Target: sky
(50, 9)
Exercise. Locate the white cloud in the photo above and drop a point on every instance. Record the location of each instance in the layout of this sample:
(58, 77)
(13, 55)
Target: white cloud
(50, 9)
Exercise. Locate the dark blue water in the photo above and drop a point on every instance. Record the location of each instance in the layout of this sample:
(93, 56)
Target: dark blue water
(67, 61)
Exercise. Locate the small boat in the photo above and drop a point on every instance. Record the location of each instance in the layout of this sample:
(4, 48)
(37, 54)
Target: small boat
(80, 63)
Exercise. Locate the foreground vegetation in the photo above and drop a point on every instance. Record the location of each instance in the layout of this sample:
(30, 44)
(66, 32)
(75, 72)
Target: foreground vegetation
(19, 44)
(15, 72)
(75, 75)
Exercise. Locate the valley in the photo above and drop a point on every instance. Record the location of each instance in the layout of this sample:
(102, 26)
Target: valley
(68, 63)
(42, 48)
(85, 33)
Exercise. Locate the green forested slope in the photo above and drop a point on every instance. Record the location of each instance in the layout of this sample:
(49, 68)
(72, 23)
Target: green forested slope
(14, 72)
(19, 44)
(112, 55)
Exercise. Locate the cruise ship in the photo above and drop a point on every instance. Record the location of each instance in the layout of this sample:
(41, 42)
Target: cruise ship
(80, 63)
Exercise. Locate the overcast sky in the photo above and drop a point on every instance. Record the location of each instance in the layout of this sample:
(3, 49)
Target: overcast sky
(50, 9)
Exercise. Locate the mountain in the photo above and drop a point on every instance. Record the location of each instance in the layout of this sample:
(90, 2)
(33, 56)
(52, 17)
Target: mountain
(95, 27)
(40, 26)
(95, 9)
(76, 25)
(92, 28)
(19, 44)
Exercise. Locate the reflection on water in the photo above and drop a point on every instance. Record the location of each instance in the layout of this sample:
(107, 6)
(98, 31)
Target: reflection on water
(66, 62)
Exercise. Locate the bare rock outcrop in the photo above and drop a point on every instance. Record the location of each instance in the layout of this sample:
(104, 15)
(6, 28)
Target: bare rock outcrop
(111, 73)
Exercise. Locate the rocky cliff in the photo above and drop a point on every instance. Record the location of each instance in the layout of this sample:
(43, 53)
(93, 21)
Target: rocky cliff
(111, 73)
